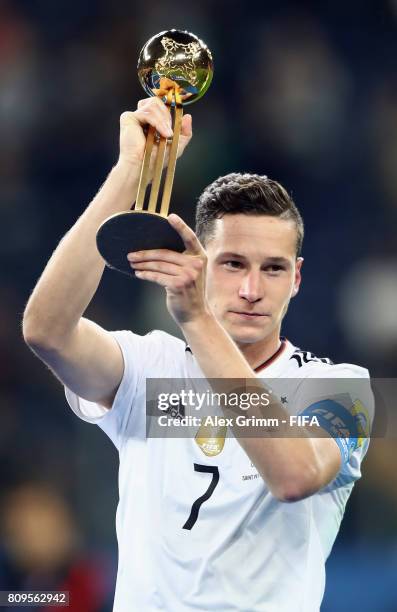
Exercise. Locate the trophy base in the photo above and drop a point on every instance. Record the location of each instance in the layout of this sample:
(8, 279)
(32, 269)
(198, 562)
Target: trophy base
(131, 231)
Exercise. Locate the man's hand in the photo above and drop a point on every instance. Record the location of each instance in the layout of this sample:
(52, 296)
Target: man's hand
(182, 274)
(151, 111)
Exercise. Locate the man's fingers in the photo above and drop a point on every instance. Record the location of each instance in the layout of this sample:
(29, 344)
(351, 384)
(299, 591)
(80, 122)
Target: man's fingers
(186, 127)
(143, 102)
(186, 134)
(157, 266)
(157, 105)
(165, 255)
(188, 236)
(155, 277)
(153, 103)
(154, 112)
(170, 282)
(145, 117)
(155, 255)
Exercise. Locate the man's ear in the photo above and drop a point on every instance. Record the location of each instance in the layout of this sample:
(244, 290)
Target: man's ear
(298, 276)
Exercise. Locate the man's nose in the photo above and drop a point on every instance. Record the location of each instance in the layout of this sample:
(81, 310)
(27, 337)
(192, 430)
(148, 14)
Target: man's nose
(251, 288)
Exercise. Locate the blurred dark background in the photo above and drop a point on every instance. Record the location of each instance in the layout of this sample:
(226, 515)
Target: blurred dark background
(305, 92)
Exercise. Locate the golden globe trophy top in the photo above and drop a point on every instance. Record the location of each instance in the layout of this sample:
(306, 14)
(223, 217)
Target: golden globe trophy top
(176, 66)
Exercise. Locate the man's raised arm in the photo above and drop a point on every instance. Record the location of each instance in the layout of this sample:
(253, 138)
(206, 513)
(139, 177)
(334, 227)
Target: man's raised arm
(84, 356)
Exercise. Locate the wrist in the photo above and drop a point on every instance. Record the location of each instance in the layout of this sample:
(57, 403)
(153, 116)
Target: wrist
(201, 322)
(128, 167)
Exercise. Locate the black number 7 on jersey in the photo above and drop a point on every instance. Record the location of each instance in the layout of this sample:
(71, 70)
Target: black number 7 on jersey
(211, 469)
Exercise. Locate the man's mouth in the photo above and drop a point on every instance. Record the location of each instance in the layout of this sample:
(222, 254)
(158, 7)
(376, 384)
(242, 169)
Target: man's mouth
(249, 315)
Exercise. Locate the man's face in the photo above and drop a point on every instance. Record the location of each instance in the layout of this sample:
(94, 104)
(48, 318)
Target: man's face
(252, 274)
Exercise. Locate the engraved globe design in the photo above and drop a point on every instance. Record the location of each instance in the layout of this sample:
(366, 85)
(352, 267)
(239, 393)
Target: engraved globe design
(175, 60)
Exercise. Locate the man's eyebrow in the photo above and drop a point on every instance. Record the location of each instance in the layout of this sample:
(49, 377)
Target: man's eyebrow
(282, 261)
(231, 255)
(275, 260)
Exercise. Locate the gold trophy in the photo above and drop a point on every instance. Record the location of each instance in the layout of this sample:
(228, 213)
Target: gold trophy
(176, 66)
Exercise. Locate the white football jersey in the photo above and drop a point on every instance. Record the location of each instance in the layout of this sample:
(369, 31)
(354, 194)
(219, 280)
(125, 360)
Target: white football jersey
(204, 533)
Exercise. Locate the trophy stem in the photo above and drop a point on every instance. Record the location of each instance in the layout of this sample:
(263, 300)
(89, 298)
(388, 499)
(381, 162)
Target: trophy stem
(159, 163)
(158, 169)
(144, 178)
(169, 177)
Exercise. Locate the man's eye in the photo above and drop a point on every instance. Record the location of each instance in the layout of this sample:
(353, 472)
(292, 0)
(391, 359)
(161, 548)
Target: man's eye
(274, 269)
(232, 263)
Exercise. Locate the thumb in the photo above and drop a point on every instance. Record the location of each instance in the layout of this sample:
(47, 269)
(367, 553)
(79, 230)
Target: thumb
(186, 134)
(186, 127)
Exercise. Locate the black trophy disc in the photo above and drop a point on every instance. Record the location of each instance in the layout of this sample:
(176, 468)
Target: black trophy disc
(131, 231)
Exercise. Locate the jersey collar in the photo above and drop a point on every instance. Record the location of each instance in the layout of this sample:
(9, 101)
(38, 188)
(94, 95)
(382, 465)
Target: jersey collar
(273, 358)
(273, 363)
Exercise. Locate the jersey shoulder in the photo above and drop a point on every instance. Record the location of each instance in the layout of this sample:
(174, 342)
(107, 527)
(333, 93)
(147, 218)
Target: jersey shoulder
(168, 339)
(157, 352)
(305, 363)
(152, 339)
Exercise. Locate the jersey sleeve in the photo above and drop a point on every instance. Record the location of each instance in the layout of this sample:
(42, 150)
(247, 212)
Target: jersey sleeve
(341, 399)
(143, 356)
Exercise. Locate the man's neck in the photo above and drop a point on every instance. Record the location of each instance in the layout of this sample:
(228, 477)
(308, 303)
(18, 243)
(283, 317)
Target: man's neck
(260, 352)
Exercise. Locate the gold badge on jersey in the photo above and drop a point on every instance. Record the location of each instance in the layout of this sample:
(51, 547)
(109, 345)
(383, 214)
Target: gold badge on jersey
(211, 440)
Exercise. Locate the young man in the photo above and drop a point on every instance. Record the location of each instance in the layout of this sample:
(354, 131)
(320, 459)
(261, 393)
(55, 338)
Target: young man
(205, 527)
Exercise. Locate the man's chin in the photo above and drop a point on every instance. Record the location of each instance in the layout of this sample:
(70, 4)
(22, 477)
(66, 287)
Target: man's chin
(244, 336)
(246, 339)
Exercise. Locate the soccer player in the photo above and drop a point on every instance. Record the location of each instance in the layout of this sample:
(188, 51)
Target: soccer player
(246, 523)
